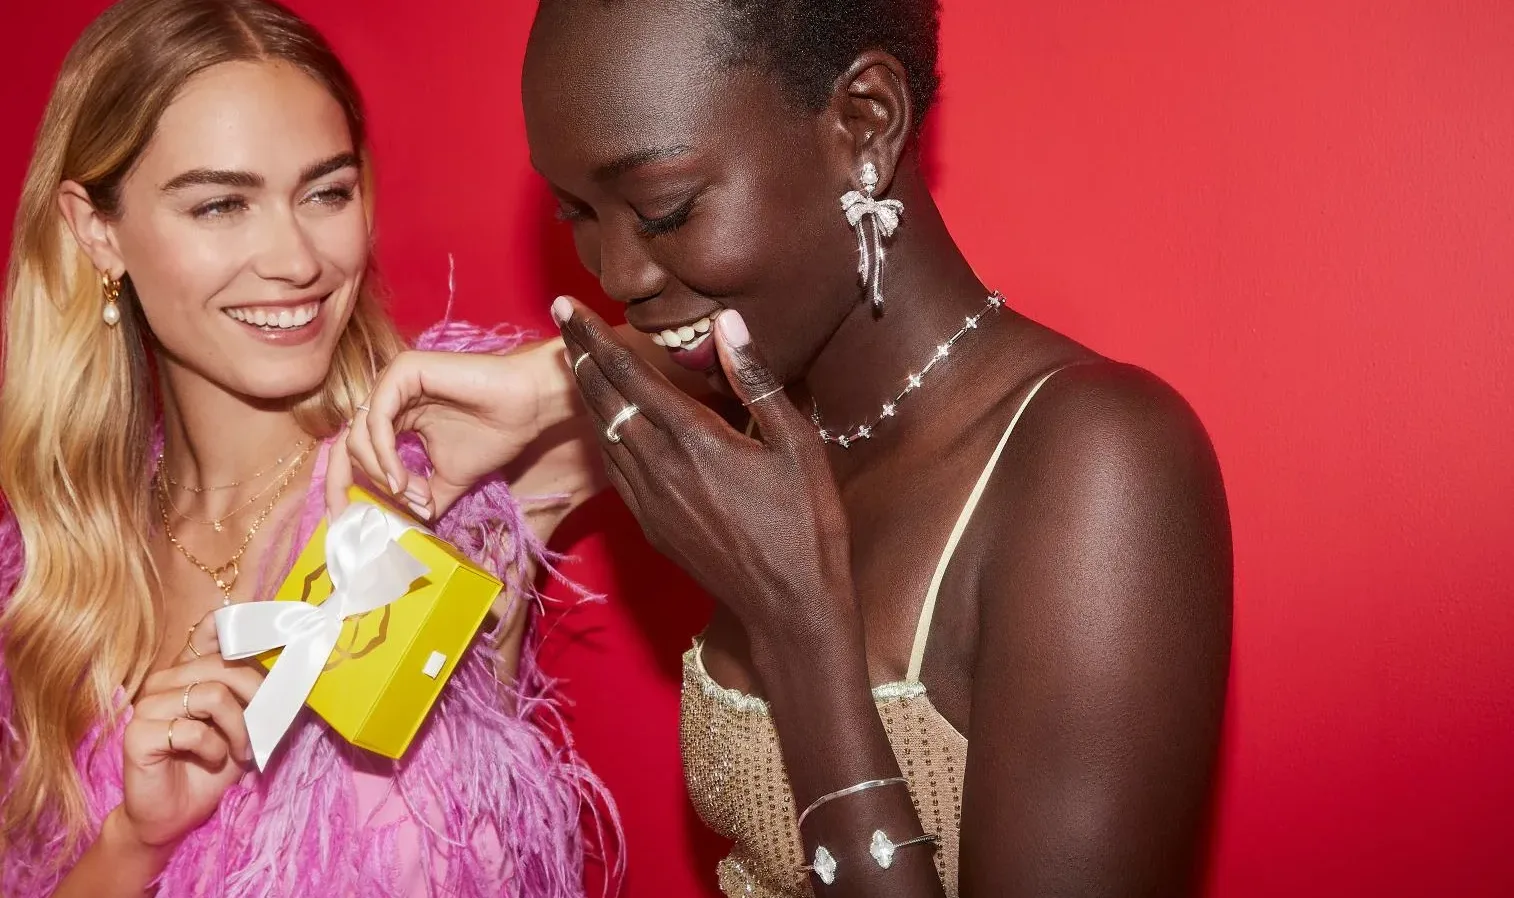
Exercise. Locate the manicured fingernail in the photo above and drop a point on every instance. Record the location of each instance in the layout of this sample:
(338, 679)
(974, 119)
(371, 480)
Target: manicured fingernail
(420, 511)
(733, 326)
(562, 310)
(415, 496)
(394, 485)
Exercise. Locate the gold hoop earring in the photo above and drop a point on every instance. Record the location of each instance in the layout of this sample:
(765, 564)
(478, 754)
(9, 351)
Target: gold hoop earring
(112, 289)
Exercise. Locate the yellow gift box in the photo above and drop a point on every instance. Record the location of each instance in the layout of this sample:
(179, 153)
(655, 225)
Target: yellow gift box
(390, 664)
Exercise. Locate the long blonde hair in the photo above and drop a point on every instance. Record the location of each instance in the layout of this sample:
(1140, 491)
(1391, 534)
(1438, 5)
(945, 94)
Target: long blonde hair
(77, 403)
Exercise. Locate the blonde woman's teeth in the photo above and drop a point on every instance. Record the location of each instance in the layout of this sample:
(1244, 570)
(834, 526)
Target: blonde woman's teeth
(686, 337)
(282, 318)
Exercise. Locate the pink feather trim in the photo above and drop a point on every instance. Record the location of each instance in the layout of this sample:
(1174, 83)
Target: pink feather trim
(497, 801)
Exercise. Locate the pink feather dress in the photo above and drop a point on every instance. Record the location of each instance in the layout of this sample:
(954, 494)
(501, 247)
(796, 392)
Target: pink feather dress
(490, 800)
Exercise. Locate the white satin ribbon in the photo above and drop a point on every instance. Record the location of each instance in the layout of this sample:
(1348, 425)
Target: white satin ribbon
(368, 569)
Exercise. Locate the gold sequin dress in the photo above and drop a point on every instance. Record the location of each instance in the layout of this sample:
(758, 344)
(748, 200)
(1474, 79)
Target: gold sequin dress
(734, 769)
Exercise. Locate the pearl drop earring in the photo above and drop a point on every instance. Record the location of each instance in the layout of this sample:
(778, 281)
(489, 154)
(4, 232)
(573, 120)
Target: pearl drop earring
(112, 289)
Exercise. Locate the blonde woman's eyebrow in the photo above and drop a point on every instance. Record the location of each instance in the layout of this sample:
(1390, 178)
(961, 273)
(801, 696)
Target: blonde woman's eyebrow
(245, 180)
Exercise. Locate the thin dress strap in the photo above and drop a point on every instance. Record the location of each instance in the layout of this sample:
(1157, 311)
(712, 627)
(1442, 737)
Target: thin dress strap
(922, 629)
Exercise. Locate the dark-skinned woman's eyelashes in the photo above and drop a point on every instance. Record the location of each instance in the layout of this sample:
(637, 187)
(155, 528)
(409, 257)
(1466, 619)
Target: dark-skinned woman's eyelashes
(666, 224)
(568, 213)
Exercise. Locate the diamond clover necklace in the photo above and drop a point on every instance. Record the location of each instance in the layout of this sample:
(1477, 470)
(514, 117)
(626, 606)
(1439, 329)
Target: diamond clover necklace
(890, 407)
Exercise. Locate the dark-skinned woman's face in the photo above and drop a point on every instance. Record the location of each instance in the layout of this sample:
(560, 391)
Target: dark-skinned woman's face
(691, 185)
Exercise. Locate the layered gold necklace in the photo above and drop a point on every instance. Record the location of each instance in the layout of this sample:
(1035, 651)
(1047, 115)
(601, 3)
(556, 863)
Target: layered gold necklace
(225, 575)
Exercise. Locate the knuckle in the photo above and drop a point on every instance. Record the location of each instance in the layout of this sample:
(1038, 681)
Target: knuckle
(247, 687)
(695, 442)
(617, 363)
(399, 368)
(218, 696)
(750, 369)
(187, 733)
(133, 733)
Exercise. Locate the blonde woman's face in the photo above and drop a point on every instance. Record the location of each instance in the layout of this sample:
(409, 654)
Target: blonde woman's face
(244, 232)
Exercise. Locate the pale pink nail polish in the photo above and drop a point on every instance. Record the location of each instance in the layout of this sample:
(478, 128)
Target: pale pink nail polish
(734, 327)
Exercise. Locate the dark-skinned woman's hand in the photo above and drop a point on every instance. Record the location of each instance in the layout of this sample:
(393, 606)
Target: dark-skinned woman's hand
(758, 523)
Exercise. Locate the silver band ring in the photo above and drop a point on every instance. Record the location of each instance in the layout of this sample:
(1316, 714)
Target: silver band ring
(364, 408)
(612, 433)
(170, 733)
(187, 690)
(772, 392)
(579, 361)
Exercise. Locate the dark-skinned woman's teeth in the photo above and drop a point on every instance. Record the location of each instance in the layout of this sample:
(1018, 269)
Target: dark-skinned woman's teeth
(676, 341)
(685, 337)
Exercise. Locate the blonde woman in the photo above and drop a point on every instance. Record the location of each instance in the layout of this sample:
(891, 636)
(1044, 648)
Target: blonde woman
(190, 320)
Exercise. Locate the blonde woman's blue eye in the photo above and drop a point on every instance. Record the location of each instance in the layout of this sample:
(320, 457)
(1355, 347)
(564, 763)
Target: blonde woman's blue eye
(332, 196)
(219, 208)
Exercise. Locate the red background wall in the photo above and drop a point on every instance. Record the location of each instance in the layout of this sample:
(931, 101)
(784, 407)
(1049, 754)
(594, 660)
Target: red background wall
(1301, 212)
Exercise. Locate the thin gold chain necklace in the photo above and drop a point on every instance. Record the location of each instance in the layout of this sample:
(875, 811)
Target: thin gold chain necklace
(220, 523)
(225, 576)
(298, 447)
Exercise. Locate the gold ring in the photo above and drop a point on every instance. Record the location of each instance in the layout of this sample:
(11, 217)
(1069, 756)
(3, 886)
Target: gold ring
(612, 433)
(579, 361)
(186, 698)
(190, 643)
(170, 733)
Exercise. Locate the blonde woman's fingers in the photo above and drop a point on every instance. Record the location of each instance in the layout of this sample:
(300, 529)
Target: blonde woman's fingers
(201, 640)
(150, 740)
(242, 679)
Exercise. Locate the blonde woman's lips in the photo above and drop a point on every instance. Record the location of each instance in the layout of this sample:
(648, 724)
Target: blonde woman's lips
(281, 324)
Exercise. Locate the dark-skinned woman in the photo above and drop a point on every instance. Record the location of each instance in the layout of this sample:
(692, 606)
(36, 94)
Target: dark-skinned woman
(973, 579)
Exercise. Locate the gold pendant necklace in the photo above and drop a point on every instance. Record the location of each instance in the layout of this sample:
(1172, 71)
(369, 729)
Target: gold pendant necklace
(299, 447)
(219, 524)
(225, 575)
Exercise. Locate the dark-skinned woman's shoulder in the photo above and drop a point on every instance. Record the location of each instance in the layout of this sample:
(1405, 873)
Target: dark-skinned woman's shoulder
(1110, 478)
(1103, 641)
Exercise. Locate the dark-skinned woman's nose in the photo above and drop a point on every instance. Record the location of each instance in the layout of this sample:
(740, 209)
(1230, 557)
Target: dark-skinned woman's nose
(627, 271)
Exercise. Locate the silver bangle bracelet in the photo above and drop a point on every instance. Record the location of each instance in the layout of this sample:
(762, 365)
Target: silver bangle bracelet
(882, 848)
(850, 790)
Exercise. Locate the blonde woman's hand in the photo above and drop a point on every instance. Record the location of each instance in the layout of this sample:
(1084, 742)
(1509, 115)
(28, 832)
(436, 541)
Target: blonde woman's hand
(172, 785)
(475, 413)
(517, 414)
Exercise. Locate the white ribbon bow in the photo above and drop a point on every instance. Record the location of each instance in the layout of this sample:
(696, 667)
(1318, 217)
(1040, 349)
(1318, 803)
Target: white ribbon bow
(368, 569)
(885, 215)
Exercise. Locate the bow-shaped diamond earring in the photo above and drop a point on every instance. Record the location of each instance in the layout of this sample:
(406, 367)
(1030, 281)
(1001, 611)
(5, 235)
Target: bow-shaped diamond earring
(860, 206)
